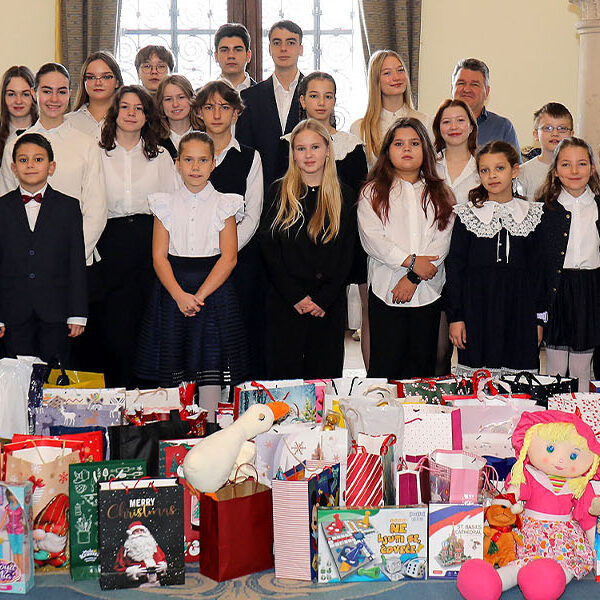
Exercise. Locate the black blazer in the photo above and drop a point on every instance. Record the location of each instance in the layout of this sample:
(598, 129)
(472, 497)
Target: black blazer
(259, 126)
(42, 271)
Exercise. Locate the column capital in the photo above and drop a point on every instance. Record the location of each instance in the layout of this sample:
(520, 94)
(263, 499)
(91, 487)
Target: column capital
(589, 9)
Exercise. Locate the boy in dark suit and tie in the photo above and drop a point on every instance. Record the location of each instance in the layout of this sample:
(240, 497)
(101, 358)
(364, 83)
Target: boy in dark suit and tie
(272, 107)
(43, 294)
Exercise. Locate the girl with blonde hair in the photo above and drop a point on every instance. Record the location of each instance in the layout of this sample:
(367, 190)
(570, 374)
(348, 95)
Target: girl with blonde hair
(307, 237)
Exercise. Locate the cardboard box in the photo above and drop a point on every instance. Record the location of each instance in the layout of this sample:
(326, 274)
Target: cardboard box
(16, 540)
(455, 536)
(372, 544)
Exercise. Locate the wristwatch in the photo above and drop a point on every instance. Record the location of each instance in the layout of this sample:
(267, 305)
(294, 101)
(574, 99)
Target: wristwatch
(413, 277)
(413, 258)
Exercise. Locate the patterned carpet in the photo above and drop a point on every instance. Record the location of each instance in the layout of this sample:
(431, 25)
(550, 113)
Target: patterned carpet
(264, 586)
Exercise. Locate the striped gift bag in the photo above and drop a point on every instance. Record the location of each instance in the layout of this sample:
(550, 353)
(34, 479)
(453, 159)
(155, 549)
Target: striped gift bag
(364, 478)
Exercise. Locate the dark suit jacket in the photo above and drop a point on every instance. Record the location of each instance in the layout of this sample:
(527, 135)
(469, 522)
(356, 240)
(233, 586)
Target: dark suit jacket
(43, 270)
(259, 126)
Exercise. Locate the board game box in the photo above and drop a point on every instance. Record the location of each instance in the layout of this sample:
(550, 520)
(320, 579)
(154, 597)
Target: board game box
(372, 544)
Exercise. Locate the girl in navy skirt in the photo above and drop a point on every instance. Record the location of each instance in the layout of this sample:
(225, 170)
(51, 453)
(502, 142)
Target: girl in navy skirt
(193, 329)
(571, 268)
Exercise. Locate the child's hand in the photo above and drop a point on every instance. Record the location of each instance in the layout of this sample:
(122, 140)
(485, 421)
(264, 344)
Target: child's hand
(458, 334)
(540, 332)
(2, 331)
(424, 267)
(188, 304)
(75, 330)
(403, 291)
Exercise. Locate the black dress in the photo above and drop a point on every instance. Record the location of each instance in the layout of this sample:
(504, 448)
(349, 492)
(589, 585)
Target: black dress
(493, 285)
(303, 345)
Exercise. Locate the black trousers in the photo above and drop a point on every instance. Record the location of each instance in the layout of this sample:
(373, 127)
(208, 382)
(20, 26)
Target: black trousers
(403, 339)
(303, 346)
(128, 275)
(35, 337)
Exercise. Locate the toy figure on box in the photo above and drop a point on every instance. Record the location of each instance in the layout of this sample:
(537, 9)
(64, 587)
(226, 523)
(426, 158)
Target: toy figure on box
(141, 558)
(557, 456)
(50, 531)
(14, 521)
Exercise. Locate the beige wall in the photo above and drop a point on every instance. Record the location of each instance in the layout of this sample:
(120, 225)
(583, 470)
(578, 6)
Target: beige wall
(530, 46)
(27, 33)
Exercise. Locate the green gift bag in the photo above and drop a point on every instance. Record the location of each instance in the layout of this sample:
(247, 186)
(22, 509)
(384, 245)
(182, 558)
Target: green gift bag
(83, 513)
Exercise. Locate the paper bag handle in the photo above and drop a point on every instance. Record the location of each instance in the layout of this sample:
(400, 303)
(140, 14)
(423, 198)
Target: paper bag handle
(159, 390)
(235, 482)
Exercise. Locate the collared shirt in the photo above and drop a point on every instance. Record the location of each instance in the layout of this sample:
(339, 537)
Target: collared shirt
(78, 174)
(531, 176)
(584, 243)
(131, 177)
(253, 200)
(465, 182)
(491, 126)
(176, 137)
(195, 220)
(83, 120)
(408, 230)
(284, 98)
(241, 86)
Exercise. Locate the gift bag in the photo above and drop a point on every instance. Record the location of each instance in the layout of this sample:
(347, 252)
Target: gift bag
(91, 450)
(540, 387)
(320, 386)
(300, 396)
(140, 533)
(427, 428)
(408, 485)
(15, 378)
(295, 503)
(364, 480)
(84, 397)
(353, 386)
(75, 415)
(455, 477)
(432, 390)
(236, 523)
(83, 510)
(588, 405)
(77, 379)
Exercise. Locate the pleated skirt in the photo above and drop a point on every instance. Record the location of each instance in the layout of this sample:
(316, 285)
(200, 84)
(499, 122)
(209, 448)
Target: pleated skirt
(210, 348)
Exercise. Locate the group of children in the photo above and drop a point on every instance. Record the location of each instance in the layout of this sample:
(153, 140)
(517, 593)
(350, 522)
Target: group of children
(190, 277)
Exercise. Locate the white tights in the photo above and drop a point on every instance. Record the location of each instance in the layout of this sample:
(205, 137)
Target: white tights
(579, 364)
(509, 573)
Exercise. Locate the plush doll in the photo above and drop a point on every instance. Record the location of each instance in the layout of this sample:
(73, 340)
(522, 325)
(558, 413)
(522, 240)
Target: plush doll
(557, 456)
(501, 532)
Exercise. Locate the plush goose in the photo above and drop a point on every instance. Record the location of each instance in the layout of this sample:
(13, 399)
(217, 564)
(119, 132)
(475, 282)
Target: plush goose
(214, 460)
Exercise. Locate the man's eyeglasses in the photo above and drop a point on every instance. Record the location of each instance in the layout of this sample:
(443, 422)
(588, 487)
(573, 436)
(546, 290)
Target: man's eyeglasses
(106, 77)
(149, 67)
(560, 129)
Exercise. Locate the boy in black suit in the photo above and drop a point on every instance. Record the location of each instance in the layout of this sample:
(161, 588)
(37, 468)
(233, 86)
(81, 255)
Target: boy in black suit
(43, 294)
(232, 52)
(272, 108)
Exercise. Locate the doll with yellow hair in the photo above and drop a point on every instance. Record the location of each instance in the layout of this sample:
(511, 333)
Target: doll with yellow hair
(557, 456)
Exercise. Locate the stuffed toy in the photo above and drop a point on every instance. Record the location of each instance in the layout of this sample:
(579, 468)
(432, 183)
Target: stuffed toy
(557, 456)
(500, 535)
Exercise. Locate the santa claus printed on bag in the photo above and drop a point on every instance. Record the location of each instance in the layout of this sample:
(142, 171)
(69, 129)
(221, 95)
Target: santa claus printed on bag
(50, 532)
(140, 558)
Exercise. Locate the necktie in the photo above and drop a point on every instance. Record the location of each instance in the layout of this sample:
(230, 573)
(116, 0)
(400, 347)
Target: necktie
(37, 198)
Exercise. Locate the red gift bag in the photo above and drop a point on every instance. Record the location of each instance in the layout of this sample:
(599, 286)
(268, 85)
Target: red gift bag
(236, 523)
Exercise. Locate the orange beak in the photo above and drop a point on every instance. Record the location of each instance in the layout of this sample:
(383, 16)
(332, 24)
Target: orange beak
(279, 410)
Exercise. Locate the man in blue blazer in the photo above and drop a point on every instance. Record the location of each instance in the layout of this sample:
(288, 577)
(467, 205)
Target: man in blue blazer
(272, 106)
(43, 293)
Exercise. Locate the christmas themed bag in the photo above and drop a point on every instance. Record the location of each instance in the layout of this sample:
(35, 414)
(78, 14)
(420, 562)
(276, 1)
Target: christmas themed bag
(236, 523)
(170, 457)
(320, 387)
(297, 495)
(428, 427)
(74, 415)
(540, 387)
(83, 510)
(588, 405)
(431, 391)
(16, 547)
(140, 532)
(91, 451)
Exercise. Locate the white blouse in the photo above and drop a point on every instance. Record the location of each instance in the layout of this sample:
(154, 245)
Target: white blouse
(583, 247)
(531, 176)
(78, 174)
(83, 120)
(408, 230)
(176, 137)
(131, 177)
(464, 183)
(253, 199)
(195, 220)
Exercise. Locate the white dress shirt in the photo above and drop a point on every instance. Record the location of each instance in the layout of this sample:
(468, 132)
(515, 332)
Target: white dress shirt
(583, 247)
(253, 200)
(176, 137)
(83, 120)
(531, 176)
(131, 177)
(195, 220)
(32, 209)
(464, 183)
(284, 98)
(407, 231)
(78, 174)
(241, 86)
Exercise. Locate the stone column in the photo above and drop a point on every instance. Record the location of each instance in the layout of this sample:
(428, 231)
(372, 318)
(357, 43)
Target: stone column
(588, 89)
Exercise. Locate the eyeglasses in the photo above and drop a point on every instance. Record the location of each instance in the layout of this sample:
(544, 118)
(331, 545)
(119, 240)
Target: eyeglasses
(106, 77)
(559, 129)
(149, 67)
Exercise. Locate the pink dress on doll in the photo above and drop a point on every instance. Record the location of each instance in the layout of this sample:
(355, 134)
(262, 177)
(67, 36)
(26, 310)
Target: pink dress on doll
(554, 524)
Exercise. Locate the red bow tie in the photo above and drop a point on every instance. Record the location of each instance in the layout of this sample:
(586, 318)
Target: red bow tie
(37, 198)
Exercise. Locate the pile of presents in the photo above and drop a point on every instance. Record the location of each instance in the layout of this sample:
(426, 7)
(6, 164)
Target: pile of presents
(355, 480)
